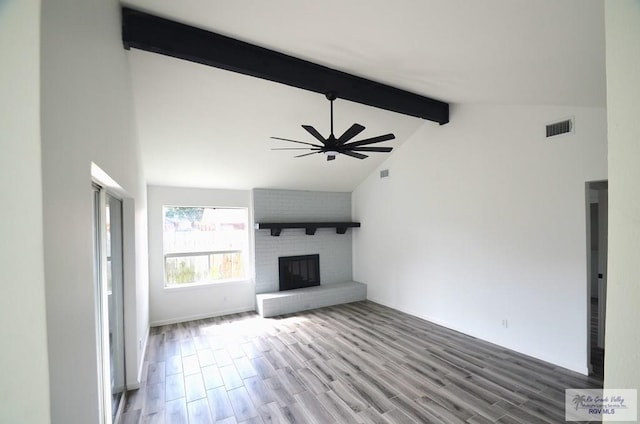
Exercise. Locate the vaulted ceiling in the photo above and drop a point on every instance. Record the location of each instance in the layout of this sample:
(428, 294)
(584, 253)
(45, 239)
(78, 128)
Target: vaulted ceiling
(205, 127)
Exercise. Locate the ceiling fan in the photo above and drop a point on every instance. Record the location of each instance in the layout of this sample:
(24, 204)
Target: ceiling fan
(332, 146)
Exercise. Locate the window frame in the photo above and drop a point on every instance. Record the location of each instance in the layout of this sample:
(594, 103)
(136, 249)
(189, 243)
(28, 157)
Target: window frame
(244, 252)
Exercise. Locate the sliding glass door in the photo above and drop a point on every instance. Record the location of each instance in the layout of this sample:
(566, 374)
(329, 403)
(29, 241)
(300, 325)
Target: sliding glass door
(115, 299)
(110, 301)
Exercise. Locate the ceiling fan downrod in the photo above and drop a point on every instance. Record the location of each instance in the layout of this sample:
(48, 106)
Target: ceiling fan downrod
(331, 96)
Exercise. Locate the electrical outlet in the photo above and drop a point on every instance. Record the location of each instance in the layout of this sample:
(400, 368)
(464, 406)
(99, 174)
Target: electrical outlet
(140, 344)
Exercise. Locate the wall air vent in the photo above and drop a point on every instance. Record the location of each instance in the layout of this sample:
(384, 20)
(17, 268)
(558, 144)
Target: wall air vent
(384, 173)
(559, 128)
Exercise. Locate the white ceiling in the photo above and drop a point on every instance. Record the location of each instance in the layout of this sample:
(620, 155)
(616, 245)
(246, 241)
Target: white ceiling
(204, 127)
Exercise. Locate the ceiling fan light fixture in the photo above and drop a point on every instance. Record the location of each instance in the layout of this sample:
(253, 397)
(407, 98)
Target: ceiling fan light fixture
(331, 153)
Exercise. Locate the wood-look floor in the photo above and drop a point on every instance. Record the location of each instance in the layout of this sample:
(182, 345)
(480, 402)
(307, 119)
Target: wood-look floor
(354, 363)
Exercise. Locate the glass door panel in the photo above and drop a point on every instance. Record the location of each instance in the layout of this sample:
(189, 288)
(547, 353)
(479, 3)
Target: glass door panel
(114, 291)
(108, 278)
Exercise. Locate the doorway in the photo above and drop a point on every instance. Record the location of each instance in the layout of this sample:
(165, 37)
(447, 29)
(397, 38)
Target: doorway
(597, 235)
(108, 262)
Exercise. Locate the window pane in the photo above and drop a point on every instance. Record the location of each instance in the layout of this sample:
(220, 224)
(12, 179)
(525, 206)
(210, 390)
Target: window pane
(204, 244)
(186, 269)
(226, 265)
(204, 229)
(202, 268)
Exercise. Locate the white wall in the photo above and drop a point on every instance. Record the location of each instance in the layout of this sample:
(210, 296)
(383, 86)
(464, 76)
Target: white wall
(24, 370)
(622, 344)
(189, 303)
(484, 219)
(87, 116)
(335, 250)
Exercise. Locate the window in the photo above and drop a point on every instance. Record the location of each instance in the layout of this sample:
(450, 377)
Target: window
(204, 245)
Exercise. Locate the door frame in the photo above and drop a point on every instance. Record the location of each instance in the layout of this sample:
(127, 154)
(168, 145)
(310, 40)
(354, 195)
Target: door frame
(601, 268)
(100, 277)
(101, 201)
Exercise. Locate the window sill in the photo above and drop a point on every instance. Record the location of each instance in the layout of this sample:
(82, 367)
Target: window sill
(207, 285)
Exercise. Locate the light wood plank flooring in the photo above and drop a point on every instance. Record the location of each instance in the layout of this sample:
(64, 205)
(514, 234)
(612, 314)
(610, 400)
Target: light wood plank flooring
(355, 363)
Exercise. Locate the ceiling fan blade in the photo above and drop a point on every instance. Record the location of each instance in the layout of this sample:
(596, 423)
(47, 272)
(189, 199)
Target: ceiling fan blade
(294, 148)
(371, 140)
(350, 133)
(306, 154)
(354, 154)
(314, 133)
(296, 141)
(372, 149)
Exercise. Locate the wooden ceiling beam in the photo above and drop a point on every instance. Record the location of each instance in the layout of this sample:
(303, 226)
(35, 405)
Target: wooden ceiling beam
(151, 33)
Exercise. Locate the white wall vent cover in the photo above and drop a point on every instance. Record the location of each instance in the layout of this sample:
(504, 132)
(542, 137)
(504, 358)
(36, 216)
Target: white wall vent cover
(562, 127)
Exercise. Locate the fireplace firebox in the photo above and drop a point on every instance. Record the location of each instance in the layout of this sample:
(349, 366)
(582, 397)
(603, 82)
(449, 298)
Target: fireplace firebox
(297, 272)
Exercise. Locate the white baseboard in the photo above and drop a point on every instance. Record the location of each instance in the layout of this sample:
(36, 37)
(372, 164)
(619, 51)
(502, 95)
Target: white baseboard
(581, 369)
(247, 308)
